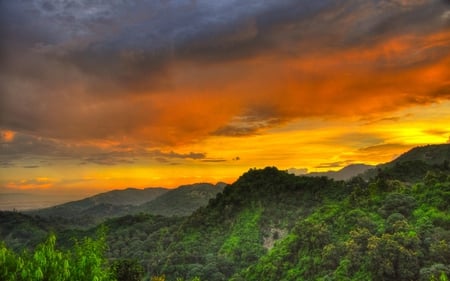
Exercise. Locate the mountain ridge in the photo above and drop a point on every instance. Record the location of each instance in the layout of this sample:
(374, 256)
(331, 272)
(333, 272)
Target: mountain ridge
(271, 225)
(120, 202)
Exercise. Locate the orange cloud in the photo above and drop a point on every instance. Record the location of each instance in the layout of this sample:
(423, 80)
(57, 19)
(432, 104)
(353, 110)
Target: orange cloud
(7, 135)
(35, 183)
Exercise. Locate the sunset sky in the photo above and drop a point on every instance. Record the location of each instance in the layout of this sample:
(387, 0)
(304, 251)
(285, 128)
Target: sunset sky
(98, 95)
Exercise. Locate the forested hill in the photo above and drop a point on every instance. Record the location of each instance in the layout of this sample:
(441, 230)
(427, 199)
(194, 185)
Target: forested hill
(111, 203)
(430, 154)
(406, 165)
(181, 201)
(271, 225)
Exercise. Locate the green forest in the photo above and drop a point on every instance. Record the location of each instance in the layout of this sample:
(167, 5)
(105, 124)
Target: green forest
(390, 224)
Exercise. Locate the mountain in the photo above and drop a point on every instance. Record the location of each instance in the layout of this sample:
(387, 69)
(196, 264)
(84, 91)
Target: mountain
(107, 204)
(272, 225)
(413, 164)
(129, 196)
(183, 200)
(345, 173)
(430, 154)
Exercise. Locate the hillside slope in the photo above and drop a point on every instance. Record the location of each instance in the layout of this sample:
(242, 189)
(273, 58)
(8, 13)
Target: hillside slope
(107, 204)
(181, 201)
(405, 166)
(430, 154)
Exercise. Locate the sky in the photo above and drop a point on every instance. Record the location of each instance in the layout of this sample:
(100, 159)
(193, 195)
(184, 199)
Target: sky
(107, 94)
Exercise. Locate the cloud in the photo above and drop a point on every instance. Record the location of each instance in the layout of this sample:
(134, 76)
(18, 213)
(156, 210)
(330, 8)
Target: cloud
(337, 164)
(385, 147)
(39, 182)
(436, 132)
(388, 151)
(81, 70)
(213, 160)
(175, 155)
(31, 167)
(6, 163)
(108, 159)
(357, 139)
(247, 125)
(7, 136)
(161, 160)
(26, 148)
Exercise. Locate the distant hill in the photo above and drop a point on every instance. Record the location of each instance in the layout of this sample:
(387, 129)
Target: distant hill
(129, 196)
(430, 154)
(345, 173)
(414, 163)
(182, 201)
(107, 204)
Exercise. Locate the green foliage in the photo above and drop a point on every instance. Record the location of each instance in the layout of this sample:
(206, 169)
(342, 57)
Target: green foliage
(86, 262)
(181, 201)
(244, 241)
(127, 270)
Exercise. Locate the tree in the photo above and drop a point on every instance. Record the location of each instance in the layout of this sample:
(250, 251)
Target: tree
(85, 262)
(127, 270)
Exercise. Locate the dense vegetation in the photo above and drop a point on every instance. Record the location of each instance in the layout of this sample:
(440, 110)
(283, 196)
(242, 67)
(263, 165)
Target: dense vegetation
(271, 225)
(84, 262)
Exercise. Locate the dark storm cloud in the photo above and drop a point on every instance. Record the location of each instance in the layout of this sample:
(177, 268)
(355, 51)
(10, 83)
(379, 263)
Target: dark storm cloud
(121, 42)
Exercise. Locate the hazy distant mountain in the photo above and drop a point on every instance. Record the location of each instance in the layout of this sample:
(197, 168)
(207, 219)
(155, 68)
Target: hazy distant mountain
(107, 204)
(183, 200)
(129, 196)
(345, 173)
